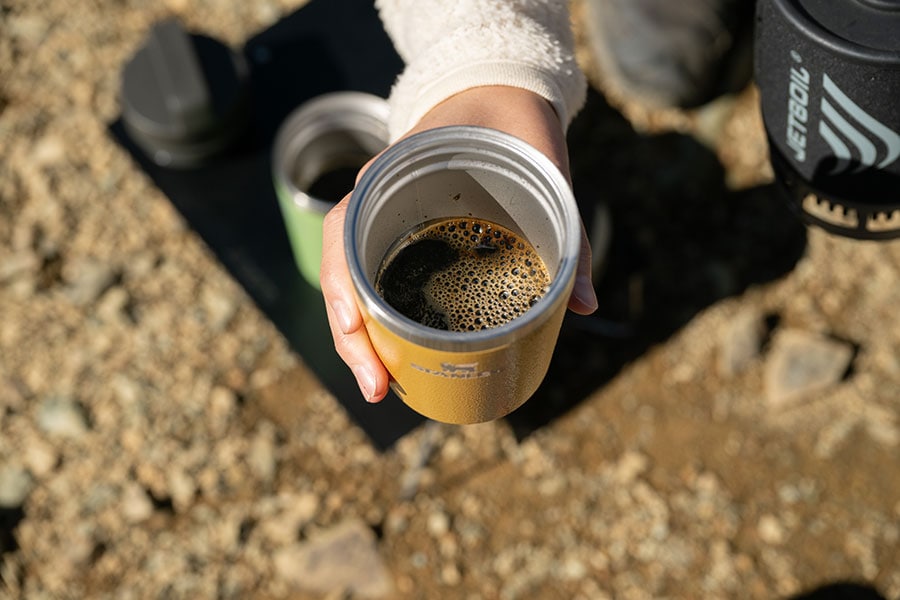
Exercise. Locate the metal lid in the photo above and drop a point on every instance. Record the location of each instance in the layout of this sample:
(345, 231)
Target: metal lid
(870, 24)
(184, 96)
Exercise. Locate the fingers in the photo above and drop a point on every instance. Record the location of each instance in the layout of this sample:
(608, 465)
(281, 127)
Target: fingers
(583, 300)
(350, 337)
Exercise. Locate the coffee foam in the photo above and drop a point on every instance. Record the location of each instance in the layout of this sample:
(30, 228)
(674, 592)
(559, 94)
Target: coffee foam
(495, 276)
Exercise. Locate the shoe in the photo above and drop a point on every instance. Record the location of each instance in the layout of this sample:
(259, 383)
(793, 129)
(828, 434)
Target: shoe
(665, 53)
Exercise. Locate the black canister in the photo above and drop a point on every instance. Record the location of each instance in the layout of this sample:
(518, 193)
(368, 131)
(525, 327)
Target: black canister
(828, 72)
(185, 97)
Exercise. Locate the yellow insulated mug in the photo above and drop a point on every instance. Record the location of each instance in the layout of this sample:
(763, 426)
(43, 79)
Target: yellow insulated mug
(475, 173)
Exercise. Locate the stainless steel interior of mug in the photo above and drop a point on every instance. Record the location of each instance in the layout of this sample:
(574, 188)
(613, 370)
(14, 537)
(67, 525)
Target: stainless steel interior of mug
(342, 130)
(460, 172)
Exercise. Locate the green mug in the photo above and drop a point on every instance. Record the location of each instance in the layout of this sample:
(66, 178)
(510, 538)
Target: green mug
(317, 153)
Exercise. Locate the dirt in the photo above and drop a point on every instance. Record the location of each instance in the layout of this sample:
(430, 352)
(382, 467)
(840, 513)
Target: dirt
(158, 437)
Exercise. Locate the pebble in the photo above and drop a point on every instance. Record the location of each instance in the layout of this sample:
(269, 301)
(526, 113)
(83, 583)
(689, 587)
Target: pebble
(49, 150)
(220, 308)
(87, 280)
(283, 528)
(396, 522)
(630, 466)
(40, 458)
(140, 265)
(262, 453)
(15, 485)
(28, 28)
(343, 557)
(79, 548)
(721, 570)
(128, 393)
(450, 574)
(223, 404)
(113, 305)
(740, 342)
(438, 523)
(305, 507)
(99, 497)
(21, 263)
(182, 489)
(801, 363)
(59, 415)
(770, 529)
(572, 569)
(136, 504)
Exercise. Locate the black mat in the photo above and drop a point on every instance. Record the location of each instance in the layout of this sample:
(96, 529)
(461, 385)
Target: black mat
(328, 45)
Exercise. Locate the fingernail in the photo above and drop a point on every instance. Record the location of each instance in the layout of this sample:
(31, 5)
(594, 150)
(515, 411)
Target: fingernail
(366, 381)
(584, 292)
(342, 314)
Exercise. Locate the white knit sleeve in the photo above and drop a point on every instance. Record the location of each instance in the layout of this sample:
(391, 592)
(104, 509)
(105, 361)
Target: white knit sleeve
(452, 45)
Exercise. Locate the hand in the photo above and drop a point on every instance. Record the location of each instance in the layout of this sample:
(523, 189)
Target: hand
(518, 112)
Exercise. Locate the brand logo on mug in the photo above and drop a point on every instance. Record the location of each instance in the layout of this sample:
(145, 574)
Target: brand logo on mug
(456, 371)
(858, 135)
(857, 139)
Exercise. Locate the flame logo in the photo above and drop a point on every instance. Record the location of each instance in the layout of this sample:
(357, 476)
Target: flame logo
(844, 124)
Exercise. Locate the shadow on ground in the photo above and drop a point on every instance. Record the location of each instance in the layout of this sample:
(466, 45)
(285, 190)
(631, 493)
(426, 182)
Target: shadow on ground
(841, 591)
(680, 241)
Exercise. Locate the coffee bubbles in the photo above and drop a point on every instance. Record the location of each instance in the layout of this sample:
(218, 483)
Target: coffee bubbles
(462, 274)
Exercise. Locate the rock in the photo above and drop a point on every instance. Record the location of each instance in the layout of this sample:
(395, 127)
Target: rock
(136, 504)
(59, 415)
(113, 306)
(305, 508)
(450, 575)
(283, 527)
(396, 521)
(572, 569)
(342, 558)
(140, 265)
(630, 466)
(801, 363)
(87, 280)
(220, 308)
(740, 343)
(18, 265)
(78, 548)
(770, 529)
(261, 457)
(720, 569)
(27, 28)
(223, 404)
(99, 497)
(49, 150)
(182, 488)
(128, 394)
(712, 119)
(15, 485)
(40, 457)
(438, 523)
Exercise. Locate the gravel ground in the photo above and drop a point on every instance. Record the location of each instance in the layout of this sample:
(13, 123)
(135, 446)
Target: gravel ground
(158, 438)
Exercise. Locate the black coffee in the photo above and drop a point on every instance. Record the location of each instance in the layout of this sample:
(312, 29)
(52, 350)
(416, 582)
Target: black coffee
(334, 184)
(461, 274)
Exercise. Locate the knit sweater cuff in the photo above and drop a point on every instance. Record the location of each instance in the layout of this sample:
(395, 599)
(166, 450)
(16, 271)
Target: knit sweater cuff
(451, 46)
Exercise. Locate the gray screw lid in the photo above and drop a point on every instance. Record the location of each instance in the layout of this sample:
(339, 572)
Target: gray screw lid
(185, 97)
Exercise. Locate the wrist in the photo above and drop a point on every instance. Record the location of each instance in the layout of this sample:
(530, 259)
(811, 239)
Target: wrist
(516, 111)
